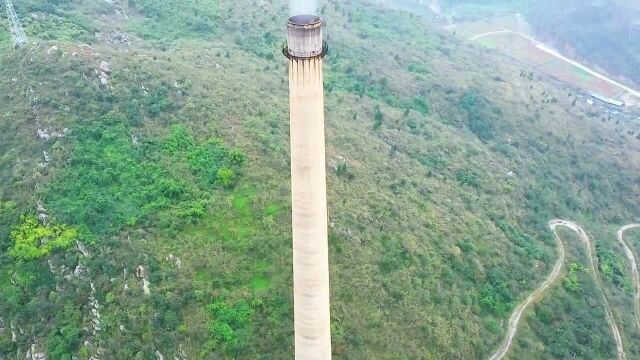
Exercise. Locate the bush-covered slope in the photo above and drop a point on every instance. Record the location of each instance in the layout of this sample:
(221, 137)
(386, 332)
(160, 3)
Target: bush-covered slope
(170, 163)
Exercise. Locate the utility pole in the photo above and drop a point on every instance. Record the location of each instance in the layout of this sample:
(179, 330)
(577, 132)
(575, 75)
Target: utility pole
(17, 32)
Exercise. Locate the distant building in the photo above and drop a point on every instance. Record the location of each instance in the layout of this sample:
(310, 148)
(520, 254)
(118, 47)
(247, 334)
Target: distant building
(607, 100)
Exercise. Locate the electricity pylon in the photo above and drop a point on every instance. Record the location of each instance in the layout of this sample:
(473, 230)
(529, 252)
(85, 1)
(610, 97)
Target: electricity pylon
(17, 32)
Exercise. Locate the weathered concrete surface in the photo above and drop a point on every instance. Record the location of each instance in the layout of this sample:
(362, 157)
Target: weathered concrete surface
(309, 210)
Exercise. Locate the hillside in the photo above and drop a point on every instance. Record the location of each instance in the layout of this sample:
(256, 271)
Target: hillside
(148, 145)
(602, 34)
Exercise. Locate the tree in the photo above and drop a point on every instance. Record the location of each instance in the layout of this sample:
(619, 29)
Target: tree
(226, 177)
(378, 117)
(33, 241)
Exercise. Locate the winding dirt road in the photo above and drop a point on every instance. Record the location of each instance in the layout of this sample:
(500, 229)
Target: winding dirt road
(555, 273)
(634, 268)
(519, 310)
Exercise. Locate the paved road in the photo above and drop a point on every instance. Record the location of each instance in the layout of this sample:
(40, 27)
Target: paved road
(517, 313)
(556, 54)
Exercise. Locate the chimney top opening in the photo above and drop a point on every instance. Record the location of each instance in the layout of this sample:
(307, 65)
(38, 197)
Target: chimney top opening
(304, 19)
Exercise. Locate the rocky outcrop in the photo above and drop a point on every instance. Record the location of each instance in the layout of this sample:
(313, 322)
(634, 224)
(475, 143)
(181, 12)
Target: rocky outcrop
(43, 215)
(103, 71)
(49, 134)
(117, 37)
(141, 273)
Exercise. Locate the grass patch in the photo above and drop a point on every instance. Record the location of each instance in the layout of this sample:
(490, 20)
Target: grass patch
(260, 283)
(174, 20)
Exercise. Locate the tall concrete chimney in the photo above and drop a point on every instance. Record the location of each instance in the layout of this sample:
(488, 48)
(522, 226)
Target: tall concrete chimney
(305, 51)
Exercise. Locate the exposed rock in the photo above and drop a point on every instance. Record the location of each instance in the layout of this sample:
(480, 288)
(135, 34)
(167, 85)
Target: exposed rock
(103, 71)
(105, 67)
(456, 251)
(33, 355)
(115, 36)
(176, 260)
(82, 249)
(37, 15)
(80, 271)
(124, 276)
(181, 355)
(52, 50)
(104, 79)
(48, 134)
(118, 8)
(43, 217)
(142, 274)
(145, 287)
(93, 303)
(159, 355)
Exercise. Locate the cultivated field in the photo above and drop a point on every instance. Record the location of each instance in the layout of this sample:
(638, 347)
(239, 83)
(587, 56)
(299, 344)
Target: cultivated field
(529, 51)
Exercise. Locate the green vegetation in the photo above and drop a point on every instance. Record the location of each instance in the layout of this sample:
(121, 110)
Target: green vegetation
(64, 341)
(570, 280)
(480, 115)
(59, 28)
(111, 182)
(495, 295)
(229, 325)
(573, 311)
(448, 166)
(613, 267)
(168, 21)
(5, 36)
(33, 241)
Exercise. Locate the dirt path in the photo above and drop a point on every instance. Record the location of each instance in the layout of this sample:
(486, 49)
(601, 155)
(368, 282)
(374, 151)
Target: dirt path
(517, 313)
(555, 273)
(556, 54)
(634, 268)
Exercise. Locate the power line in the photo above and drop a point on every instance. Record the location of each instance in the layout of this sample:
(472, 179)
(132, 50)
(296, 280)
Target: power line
(17, 32)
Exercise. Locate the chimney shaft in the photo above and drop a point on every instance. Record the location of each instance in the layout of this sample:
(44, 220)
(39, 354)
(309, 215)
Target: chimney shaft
(308, 189)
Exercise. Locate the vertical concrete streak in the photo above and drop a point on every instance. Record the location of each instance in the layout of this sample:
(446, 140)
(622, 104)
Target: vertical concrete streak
(309, 210)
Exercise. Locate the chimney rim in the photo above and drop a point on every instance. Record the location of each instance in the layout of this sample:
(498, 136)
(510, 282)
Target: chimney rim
(304, 20)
